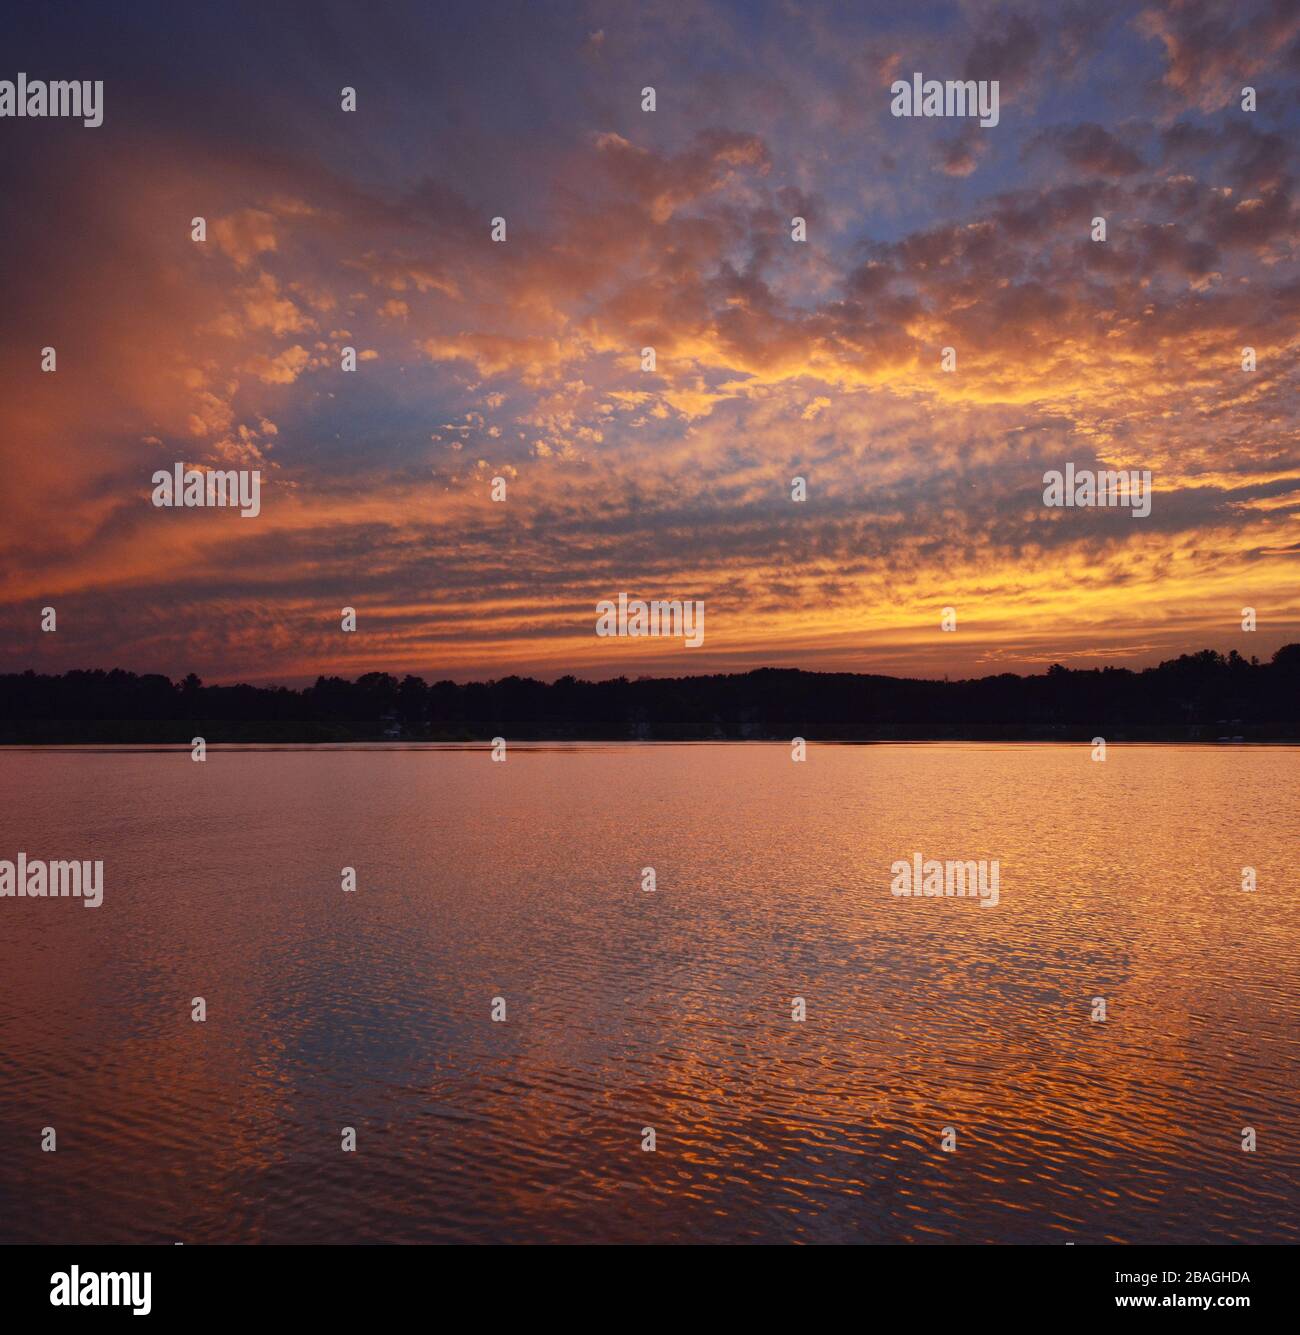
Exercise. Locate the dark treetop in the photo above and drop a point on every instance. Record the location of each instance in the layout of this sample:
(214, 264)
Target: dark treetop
(1198, 697)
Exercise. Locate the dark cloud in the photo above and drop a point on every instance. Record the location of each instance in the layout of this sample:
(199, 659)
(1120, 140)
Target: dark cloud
(1090, 148)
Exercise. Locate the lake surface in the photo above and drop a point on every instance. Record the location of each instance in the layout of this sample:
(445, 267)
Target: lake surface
(670, 1009)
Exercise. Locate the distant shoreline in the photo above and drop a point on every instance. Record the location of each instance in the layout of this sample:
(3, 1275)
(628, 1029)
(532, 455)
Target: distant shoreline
(1203, 698)
(135, 732)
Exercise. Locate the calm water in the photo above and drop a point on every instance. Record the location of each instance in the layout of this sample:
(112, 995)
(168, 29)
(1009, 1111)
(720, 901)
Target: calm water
(628, 1009)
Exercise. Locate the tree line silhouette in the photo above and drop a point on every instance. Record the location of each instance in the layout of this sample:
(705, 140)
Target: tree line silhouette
(1201, 696)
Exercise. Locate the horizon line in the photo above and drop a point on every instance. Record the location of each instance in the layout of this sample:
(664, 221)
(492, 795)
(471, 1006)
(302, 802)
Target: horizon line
(550, 680)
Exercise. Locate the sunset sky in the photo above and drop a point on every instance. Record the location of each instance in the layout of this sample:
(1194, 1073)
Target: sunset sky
(628, 229)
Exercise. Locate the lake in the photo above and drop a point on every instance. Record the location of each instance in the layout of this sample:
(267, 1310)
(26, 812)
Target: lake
(627, 1009)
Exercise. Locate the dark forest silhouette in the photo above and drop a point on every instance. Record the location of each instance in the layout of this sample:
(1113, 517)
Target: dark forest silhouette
(1204, 696)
